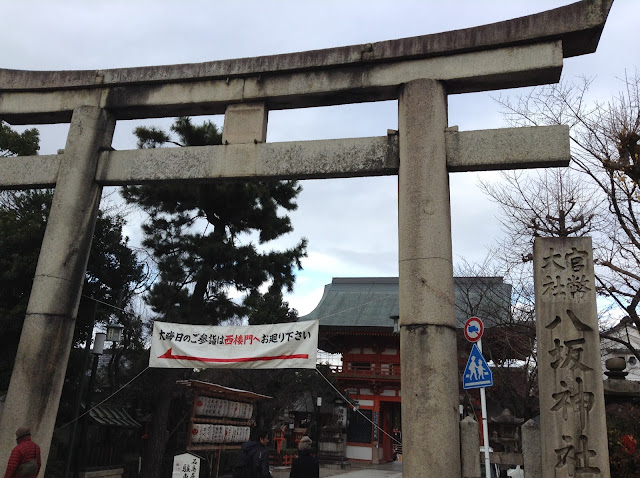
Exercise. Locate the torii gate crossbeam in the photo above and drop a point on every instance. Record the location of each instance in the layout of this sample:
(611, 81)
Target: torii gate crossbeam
(419, 72)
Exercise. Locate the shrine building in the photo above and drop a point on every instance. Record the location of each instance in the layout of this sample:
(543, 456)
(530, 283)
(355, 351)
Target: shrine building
(359, 320)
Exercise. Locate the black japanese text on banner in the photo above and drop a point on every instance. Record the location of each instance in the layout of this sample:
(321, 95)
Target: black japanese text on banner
(290, 345)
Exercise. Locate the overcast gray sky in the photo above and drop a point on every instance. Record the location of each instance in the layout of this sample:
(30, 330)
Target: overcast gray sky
(351, 224)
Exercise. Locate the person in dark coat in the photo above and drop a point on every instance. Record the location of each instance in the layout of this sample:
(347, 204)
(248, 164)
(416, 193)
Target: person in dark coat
(25, 451)
(305, 466)
(257, 450)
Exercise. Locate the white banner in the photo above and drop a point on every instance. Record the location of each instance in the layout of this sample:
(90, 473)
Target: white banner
(290, 345)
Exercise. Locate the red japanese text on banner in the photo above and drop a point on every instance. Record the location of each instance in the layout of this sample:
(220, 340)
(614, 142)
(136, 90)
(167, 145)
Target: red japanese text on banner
(289, 345)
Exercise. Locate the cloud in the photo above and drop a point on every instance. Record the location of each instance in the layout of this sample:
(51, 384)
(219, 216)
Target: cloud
(351, 224)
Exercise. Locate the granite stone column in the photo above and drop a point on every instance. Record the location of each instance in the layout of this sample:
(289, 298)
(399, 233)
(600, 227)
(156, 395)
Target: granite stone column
(572, 408)
(531, 452)
(469, 448)
(45, 343)
(431, 443)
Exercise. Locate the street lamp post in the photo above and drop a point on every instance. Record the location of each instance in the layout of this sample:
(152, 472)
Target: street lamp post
(78, 403)
(114, 332)
(97, 350)
(114, 335)
(317, 437)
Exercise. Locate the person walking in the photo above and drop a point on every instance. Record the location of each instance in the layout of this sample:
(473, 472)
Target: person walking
(24, 461)
(306, 465)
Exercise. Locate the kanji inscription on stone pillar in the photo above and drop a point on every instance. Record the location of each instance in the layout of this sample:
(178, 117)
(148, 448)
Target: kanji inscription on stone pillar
(572, 415)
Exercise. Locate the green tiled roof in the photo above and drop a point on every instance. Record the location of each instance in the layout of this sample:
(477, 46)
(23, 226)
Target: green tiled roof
(370, 301)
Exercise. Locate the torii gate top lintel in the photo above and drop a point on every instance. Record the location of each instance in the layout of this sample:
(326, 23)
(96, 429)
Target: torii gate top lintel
(130, 93)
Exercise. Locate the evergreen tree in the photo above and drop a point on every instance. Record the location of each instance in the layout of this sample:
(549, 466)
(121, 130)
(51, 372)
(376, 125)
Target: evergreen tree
(209, 240)
(112, 266)
(13, 143)
(200, 237)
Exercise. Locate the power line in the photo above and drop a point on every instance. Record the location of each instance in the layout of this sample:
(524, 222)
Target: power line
(108, 398)
(103, 303)
(356, 408)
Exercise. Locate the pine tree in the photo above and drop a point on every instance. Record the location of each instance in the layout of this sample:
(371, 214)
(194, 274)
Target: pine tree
(209, 240)
(200, 237)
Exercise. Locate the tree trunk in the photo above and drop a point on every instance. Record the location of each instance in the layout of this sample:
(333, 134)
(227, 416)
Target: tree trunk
(158, 433)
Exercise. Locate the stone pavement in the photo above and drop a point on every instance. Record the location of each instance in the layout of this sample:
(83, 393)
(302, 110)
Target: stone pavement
(356, 470)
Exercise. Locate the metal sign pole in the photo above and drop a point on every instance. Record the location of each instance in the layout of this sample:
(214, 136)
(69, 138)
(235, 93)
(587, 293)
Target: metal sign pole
(485, 426)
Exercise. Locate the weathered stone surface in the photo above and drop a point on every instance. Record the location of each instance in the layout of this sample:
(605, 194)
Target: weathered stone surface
(622, 388)
(578, 26)
(43, 352)
(465, 72)
(507, 148)
(245, 123)
(424, 296)
(500, 55)
(424, 217)
(531, 449)
(469, 446)
(572, 416)
(430, 415)
(299, 159)
(431, 445)
(353, 157)
(29, 171)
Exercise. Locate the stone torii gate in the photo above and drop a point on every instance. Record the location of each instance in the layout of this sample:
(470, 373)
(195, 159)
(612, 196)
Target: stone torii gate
(419, 72)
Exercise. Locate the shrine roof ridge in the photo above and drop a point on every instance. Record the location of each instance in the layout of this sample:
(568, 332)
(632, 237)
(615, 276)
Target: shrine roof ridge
(578, 26)
(351, 302)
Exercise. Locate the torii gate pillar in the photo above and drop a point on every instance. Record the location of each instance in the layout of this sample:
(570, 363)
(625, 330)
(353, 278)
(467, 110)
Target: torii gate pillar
(427, 310)
(43, 351)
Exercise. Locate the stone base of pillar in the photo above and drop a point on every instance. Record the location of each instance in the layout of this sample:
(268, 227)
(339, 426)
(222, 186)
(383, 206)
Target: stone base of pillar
(531, 449)
(469, 446)
(430, 413)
